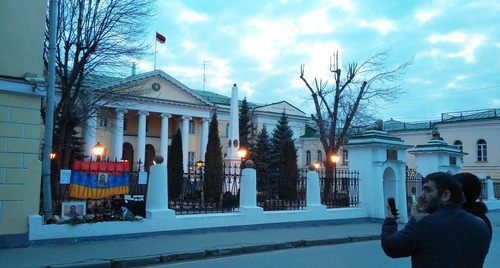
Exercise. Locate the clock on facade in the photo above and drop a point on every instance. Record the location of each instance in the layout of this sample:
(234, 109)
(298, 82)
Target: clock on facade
(155, 86)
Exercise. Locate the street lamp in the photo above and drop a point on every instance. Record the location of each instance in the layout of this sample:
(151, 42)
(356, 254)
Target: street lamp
(199, 164)
(316, 165)
(335, 158)
(52, 156)
(98, 151)
(242, 152)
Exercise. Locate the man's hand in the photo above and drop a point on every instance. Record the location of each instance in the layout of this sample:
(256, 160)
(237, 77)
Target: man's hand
(416, 214)
(388, 213)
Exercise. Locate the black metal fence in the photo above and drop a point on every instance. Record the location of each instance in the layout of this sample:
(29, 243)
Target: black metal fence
(274, 193)
(343, 187)
(192, 199)
(340, 190)
(414, 182)
(496, 189)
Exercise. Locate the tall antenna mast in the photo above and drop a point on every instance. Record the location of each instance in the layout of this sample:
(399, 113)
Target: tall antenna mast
(204, 74)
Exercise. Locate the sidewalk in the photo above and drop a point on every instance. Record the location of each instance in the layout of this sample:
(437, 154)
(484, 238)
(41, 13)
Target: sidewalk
(168, 248)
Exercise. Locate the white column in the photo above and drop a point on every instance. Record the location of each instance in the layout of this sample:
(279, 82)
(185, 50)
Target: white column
(203, 138)
(185, 141)
(164, 136)
(141, 138)
(90, 136)
(313, 192)
(157, 199)
(234, 126)
(118, 135)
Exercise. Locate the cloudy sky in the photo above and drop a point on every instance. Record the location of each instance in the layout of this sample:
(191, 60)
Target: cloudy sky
(260, 45)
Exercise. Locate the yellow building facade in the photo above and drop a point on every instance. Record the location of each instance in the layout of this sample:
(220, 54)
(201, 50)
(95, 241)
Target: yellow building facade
(21, 90)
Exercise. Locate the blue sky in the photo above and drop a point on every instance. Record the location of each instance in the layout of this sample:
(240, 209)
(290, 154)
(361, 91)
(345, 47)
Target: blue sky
(260, 44)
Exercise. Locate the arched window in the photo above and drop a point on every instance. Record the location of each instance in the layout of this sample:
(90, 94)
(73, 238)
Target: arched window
(459, 144)
(482, 152)
(308, 157)
(191, 127)
(320, 156)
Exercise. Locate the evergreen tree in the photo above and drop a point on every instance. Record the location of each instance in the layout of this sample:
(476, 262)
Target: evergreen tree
(261, 158)
(214, 167)
(288, 171)
(281, 133)
(245, 125)
(175, 166)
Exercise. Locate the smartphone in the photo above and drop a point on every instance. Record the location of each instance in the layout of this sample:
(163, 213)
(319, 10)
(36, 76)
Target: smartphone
(392, 204)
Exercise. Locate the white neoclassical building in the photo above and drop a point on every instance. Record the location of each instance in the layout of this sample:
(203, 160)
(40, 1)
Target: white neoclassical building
(140, 127)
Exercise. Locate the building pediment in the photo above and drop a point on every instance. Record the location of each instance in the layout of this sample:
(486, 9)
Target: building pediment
(156, 86)
(280, 107)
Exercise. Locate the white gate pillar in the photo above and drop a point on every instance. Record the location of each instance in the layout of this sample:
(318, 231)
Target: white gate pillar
(376, 154)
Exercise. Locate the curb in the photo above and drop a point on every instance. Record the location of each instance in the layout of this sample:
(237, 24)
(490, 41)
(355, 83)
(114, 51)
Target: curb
(211, 253)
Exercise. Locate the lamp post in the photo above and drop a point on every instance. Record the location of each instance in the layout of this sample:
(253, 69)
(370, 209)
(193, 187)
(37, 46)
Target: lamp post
(98, 151)
(335, 158)
(242, 152)
(52, 156)
(316, 165)
(199, 164)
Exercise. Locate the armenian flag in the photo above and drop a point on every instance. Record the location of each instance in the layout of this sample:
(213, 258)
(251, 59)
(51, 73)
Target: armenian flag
(97, 180)
(160, 38)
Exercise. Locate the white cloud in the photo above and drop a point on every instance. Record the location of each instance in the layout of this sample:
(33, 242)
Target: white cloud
(470, 47)
(455, 37)
(247, 88)
(384, 26)
(188, 45)
(191, 16)
(315, 22)
(267, 39)
(426, 15)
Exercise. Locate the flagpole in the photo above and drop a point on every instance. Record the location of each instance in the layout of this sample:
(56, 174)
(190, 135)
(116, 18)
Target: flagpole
(155, 55)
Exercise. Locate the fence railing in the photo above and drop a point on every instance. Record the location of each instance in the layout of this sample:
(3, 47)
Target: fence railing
(273, 193)
(496, 189)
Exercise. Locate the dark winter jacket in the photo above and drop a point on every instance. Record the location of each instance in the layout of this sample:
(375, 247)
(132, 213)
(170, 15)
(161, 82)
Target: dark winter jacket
(449, 237)
(479, 209)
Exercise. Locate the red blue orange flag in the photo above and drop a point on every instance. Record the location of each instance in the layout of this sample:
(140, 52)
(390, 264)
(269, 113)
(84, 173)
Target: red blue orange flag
(97, 180)
(160, 38)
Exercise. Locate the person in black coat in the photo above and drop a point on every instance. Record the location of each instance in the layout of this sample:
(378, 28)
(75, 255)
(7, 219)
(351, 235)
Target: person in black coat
(471, 188)
(439, 233)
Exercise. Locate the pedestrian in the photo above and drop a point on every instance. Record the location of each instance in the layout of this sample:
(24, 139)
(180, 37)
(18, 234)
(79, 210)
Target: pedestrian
(471, 187)
(439, 233)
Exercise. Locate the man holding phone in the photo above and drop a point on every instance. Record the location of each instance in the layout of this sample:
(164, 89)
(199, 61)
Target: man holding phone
(439, 233)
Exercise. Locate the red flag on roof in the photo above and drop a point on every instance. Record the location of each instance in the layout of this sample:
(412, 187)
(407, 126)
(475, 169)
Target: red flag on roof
(160, 38)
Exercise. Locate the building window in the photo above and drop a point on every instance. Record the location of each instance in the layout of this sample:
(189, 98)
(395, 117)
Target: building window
(103, 119)
(482, 152)
(191, 127)
(308, 158)
(320, 157)
(345, 157)
(191, 159)
(459, 145)
(125, 124)
(227, 130)
(147, 125)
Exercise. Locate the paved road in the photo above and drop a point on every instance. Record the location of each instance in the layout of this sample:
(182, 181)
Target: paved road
(352, 255)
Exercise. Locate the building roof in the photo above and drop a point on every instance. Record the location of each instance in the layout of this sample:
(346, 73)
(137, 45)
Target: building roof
(395, 125)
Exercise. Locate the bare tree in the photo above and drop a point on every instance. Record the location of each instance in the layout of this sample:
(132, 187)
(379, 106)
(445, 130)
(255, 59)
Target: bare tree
(95, 39)
(347, 103)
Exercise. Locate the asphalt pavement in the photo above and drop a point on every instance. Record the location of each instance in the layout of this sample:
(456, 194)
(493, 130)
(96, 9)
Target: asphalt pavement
(169, 248)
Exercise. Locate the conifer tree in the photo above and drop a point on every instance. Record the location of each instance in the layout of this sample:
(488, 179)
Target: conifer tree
(281, 133)
(288, 171)
(214, 167)
(245, 125)
(175, 166)
(261, 157)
